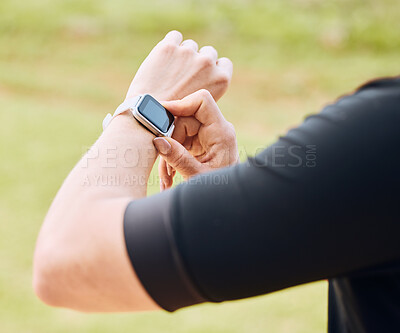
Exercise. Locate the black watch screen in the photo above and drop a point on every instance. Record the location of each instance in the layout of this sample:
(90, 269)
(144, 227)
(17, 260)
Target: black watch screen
(154, 112)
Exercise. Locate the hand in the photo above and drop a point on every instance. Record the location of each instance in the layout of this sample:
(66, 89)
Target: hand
(170, 71)
(174, 69)
(202, 141)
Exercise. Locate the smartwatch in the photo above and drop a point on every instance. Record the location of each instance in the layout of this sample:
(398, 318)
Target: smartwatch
(147, 111)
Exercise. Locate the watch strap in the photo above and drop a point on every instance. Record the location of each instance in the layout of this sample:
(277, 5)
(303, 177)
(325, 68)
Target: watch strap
(125, 106)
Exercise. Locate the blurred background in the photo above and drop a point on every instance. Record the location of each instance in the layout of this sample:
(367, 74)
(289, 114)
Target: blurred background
(65, 64)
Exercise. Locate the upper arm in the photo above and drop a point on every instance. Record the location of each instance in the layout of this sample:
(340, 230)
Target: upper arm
(320, 202)
(272, 222)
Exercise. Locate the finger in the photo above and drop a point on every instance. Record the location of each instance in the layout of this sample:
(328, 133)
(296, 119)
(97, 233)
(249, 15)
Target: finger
(162, 171)
(200, 104)
(196, 149)
(190, 43)
(177, 156)
(165, 180)
(174, 37)
(225, 64)
(188, 143)
(170, 170)
(210, 52)
(184, 127)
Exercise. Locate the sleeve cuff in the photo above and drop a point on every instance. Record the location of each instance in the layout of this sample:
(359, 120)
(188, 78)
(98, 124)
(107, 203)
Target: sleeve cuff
(153, 253)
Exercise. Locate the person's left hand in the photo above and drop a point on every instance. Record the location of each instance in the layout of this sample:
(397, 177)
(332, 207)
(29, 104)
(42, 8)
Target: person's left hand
(175, 69)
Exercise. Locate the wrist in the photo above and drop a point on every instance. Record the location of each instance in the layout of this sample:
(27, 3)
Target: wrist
(125, 125)
(134, 144)
(160, 95)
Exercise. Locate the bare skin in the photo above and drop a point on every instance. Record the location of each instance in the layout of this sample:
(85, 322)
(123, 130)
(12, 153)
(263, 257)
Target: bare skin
(80, 260)
(203, 139)
(172, 71)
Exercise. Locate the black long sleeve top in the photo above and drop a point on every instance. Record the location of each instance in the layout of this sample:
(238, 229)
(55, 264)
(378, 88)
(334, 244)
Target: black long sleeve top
(322, 202)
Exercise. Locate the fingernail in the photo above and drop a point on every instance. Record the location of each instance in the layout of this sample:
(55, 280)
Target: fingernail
(162, 145)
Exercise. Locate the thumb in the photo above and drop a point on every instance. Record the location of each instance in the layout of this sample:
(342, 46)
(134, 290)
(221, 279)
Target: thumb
(177, 156)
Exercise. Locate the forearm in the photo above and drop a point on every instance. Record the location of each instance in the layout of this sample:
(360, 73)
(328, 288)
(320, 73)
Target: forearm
(118, 164)
(82, 236)
(80, 259)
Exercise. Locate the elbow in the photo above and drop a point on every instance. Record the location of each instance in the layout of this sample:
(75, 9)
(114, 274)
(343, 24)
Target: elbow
(44, 290)
(51, 263)
(46, 279)
(53, 257)
(60, 278)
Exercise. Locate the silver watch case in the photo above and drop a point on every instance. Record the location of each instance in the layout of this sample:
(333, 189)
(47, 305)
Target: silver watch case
(146, 123)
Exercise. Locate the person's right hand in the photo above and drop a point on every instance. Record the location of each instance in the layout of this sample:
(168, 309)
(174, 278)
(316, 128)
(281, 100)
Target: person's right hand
(175, 69)
(202, 141)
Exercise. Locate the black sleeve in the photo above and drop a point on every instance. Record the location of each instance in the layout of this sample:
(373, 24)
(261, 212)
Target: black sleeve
(321, 202)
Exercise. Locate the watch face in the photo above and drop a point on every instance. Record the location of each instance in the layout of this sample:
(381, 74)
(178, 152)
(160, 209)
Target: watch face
(154, 112)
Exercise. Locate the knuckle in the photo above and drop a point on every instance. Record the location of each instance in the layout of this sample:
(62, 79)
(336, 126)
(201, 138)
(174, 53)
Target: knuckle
(223, 78)
(225, 59)
(205, 61)
(230, 133)
(176, 33)
(205, 94)
(186, 50)
(190, 42)
(231, 126)
(209, 48)
(179, 160)
(168, 47)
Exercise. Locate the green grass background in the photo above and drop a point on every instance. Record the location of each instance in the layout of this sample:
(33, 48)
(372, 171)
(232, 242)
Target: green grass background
(65, 64)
